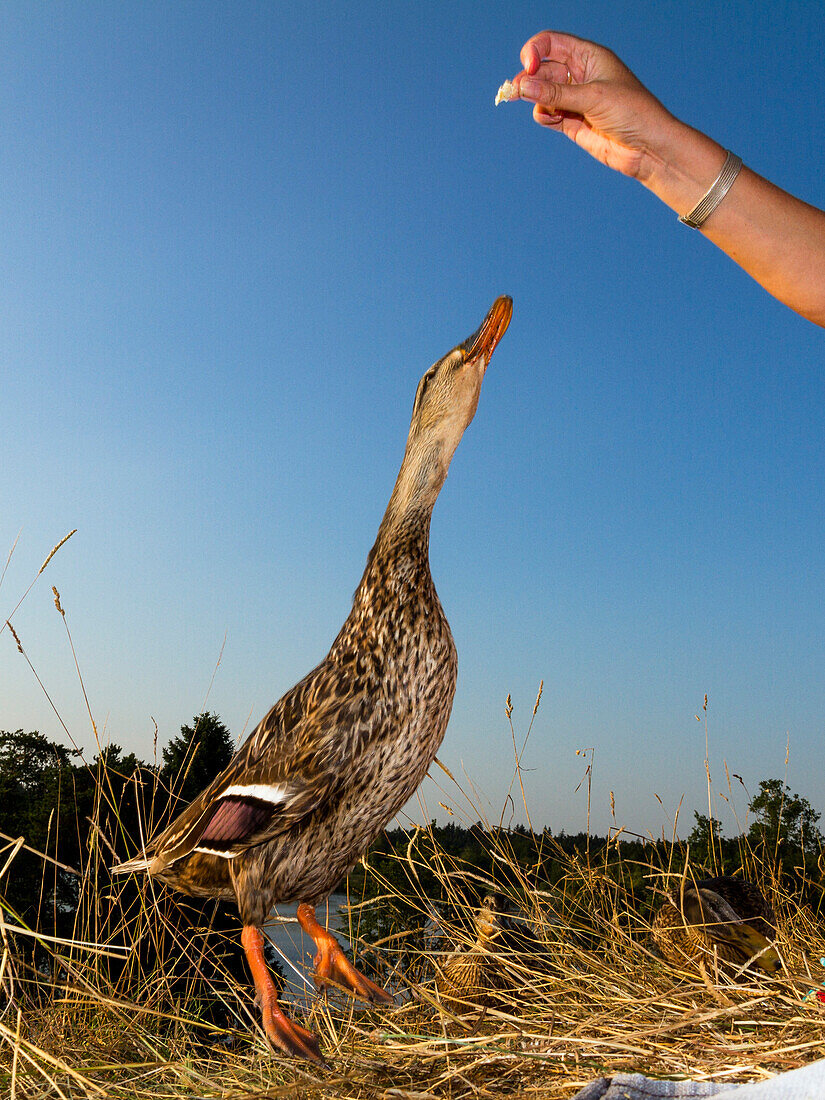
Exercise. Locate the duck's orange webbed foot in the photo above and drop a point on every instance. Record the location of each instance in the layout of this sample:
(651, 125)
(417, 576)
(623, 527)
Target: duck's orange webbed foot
(291, 1037)
(332, 967)
(281, 1031)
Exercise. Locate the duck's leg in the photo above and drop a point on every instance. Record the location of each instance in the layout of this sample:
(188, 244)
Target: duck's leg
(283, 1032)
(331, 964)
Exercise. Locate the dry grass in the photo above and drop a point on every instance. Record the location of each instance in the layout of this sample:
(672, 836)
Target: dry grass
(88, 1017)
(587, 998)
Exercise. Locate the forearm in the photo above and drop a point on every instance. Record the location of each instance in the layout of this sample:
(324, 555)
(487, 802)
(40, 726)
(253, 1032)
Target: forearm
(586, 92)
(778, 239)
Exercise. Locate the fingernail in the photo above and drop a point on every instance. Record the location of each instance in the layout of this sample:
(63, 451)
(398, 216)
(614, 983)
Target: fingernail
(529, 89)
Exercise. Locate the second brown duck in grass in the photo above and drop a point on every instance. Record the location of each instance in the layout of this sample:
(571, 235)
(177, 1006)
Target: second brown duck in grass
(336, 758)
(471, 978)
(716, 921)
(497, 968)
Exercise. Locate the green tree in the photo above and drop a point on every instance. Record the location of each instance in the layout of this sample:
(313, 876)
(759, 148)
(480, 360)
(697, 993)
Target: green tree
(117, 792)
(37, 804)
(783, 822)
(704, 838)
(192, 760)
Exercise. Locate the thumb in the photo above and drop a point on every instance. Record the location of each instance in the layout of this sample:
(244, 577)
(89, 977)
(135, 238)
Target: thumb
(579, 99)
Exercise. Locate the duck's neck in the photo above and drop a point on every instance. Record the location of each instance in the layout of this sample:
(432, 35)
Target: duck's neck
(401, 548)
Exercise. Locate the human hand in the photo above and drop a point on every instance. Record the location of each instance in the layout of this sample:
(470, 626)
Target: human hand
(586, 92)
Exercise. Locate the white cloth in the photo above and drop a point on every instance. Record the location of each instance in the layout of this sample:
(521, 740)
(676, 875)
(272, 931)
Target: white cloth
(807, 1083)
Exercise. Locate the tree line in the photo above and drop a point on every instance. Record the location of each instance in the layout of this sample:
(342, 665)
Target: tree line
(63, 808)
(66, 809)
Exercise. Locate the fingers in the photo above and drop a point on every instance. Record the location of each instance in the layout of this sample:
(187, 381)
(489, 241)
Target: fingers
(547, 118)
(584, 91)
(547, 44)
(534, 49)
(548, 121)
(584, 60)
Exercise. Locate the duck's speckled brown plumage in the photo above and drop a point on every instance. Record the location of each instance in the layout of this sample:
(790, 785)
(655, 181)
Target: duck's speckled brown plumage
(721, 919)
(352, 740)
(472, 977)
(503, 952)
(343, 750)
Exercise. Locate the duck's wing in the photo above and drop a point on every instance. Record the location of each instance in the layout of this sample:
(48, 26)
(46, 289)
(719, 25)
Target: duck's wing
(747, 901)
(291, 764)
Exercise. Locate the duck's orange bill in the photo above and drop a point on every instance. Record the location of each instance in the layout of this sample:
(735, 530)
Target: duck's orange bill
(485, 340)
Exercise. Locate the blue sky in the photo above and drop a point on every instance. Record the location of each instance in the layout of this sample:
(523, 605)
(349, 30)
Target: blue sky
(233, 236)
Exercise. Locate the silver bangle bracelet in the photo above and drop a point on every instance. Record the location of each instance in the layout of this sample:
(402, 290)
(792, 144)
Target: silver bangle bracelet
(714, 194)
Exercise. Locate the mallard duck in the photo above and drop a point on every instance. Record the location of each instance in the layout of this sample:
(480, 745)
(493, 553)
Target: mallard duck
(471, 977)
(723, 920)
(474, 976)
(336, 758)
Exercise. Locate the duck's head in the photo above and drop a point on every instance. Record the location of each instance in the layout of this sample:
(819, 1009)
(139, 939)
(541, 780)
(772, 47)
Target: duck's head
(754, 948)
(445, 403)
(723, 925)
(492, 915)
(447, 395)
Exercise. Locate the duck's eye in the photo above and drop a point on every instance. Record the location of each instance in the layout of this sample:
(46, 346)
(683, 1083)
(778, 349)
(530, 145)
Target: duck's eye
(424, 383)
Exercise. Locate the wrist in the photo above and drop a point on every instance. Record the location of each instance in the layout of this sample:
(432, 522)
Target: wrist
(680, 165)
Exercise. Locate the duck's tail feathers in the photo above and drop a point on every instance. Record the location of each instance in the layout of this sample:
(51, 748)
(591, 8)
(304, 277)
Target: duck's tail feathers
(140, 864)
